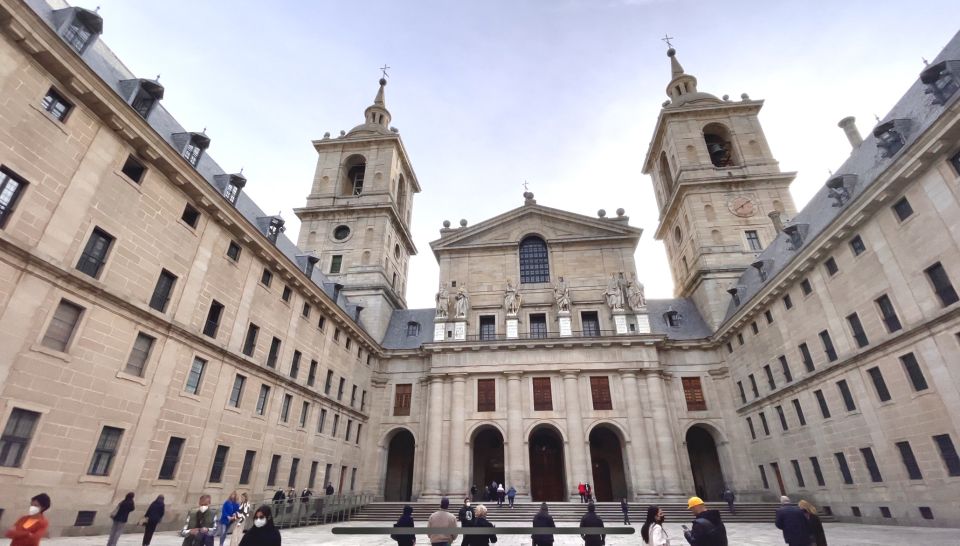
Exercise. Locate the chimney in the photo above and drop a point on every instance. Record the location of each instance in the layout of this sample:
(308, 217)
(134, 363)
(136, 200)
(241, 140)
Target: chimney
(849, 126)
(777, 222)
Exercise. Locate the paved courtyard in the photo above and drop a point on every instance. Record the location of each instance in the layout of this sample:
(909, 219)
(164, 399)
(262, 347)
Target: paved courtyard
(740, 534)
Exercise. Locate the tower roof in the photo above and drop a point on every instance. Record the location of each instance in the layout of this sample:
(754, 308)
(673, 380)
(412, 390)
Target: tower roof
(376, 116)
(682, 88)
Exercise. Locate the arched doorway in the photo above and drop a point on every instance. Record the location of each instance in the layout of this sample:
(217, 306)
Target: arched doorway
(704, 463)
(487, 459)
(606, 460)
(547, 481)
(398, 483)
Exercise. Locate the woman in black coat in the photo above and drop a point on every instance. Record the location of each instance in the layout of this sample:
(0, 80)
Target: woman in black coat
(263, 532)
(817, 536)
(406, 520)
(152, 518)
(543, 519)
(480, 521)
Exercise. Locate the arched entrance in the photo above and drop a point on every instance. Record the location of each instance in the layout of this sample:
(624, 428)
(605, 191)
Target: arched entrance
(398, 483)
(546, 465)
(487, 459)
(704, 463)
(606, 460)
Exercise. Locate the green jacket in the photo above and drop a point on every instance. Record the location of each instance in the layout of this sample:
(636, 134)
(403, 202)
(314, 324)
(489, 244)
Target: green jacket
(197, 520)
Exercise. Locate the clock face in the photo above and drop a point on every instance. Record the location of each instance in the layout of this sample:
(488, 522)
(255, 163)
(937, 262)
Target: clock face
(741, 206)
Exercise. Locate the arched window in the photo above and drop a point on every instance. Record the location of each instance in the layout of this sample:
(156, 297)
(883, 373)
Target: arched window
(665, 174)
(719, 145)
(534, 260)
(354, 169)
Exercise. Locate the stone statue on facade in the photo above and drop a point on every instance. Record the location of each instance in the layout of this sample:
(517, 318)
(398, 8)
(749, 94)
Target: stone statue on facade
(561, 293)
(635, 295)
(462, 304)
(613, 294)
(443, 302)
(512, 299)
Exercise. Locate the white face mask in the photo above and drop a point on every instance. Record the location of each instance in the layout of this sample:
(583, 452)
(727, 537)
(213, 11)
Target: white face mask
(260, 522)
(33, 510)
(203, 508)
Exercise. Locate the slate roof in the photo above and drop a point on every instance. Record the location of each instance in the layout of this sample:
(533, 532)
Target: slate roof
(691, 324)
(865, 162)
(396, 335)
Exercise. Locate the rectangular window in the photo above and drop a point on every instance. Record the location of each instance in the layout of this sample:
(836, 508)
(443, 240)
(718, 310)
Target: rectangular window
(797, 472)
(538, 325)
(359, 428)
(62, 326)
(312, 482)
(139, 354)
(134, 169)
(828, 345)
(693, 393)
(336, 261)
(274, 353)
(94, 255)
(847, 396)
(349, 429)
(806, 287)
(743, 394)
(248, 459)
(363, 401)
(856, 328)
(910, 364)
(56, 105)
(236, 393)
(740, 338)
(753, 386)
(486, 395)
(753, 240)
(909, 461)
(948, 452)
(787, 302)
(336, 423)
(941, 284)
(729, 347)
(822, 401)
(312, 373)
(192, 152)
(763, 477)
(233, 251)
(11, 188)
(143, 102)
(322, 422)
(542, 396)
(888, 313)
(488, 327)
(857, 246)
(266, 277)
(763, 422)
(262, 399)
(787, 375)
(902, 209)
(162, 291)
(250, 341)
(844, 469)
(336, 334)
(353, 396)
(347, 345)
(402, 396)
(817, 471)
(600, 392)
(304, 414)
(328, 384)
(805, 356)
(212, 323)
(831, 266)
(77, 35)
(286, 294)
(326, 474)
(295, 364)
(799, 410)
(343, 382)
(285, 407)
(783, 418)
(590, 322)
(871, 463)
(219, 463)
(195, 377)
(753, 433)
(769, 316)
(274, 468)
(171, 458)
(754, 327)
(190, 216)
(770, 381)
(353, 478)
(879, 384)
(16, 437)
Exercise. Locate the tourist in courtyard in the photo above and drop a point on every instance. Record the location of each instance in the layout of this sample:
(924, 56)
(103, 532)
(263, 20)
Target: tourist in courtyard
(793, 521)
(652, 532)
(582, 489)
(591, 519)
(543, 519)
(817, 536)
(29, 529)
(243, 512)
(329, 490)
(152, 518)
(406, 520)
(120, 516)
(473, 491)
(465, 516)
(480, 521)
(511, 495)
(263, 532)
(501, 493)
(441, 519)
(200, 523)
(708, 528)
(625, 508)
(227, 516)
(729, 497)
(589, 493)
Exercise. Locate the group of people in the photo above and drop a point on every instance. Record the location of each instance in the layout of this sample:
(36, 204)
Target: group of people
(495, 492)
(800, 523)
(585, 491)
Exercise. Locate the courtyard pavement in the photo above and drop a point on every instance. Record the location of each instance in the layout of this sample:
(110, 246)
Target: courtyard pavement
(740, 534)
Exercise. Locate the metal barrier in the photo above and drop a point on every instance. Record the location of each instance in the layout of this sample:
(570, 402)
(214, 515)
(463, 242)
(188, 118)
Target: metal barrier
(314, 510)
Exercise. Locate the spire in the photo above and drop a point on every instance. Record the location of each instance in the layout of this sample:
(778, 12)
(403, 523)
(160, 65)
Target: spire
(377, 114)
(379, 99)
(682, 88)
(675, 67)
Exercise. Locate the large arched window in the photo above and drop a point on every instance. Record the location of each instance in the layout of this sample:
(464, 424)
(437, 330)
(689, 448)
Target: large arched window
(534, 260)
(354, 169)
(719, 145)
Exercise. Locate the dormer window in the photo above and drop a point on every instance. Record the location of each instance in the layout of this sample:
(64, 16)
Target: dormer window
(839, 188)
(77, 35)
(735, 294)
(796, 233)
(763, 268)
(891, 136)
(142, 95)
(78, 27)
(234, 185)
(413, 329)
(275, 228)
(942, 80)
(311, 263)
(672, 318)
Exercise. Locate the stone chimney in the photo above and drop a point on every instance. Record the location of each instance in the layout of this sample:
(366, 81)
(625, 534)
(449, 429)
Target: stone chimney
(777, 222)
(849, 126)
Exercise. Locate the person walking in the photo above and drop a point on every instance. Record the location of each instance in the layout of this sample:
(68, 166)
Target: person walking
(152, 518)
(542, 520)
(793, 521)
(708, 528)
(589, 493)
(30, 528)
(406, 520)
(591, 519)
(227, 516)
(625, 508)
(501, 493)
(465, 516)
(817, 536)
(243, 512)
(329, 490)
(120, 515)
(652, 532)
(263, 532)
(511, 495)
(480, 521)
(473, 491)
(441, 519)
(729, 497)
(199, 525)
(582, 490)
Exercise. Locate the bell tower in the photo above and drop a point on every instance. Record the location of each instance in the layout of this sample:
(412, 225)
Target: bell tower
(716, 184)
(357, 216)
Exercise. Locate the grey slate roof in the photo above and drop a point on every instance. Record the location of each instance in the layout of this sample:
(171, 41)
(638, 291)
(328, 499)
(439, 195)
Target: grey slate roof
(865, 162)
(396, 335)
(691, 324)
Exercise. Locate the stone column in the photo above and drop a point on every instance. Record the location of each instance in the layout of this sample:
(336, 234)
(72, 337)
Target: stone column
(455, 482)
(516, 473)
(640, 464)
(665, 448)
(579, 459)
(434, 437)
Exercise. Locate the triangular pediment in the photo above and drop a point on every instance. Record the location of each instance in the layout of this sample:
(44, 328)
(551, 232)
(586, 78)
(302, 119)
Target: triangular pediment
(554, 225)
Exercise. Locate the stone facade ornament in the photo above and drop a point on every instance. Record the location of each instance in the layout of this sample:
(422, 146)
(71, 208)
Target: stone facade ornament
(443, 302)
(613, 294)
(561, 293)
(462, 303)
(635, 294)
(512, 299)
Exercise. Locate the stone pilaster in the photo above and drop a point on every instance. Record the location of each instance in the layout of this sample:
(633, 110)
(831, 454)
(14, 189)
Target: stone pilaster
(641, 463)
(434, 437)
(456, 485)
(516, 467)
(579, 461)
(662, 431)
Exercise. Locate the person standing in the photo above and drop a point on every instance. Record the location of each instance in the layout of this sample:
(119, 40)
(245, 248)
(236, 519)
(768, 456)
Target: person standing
(263, 532)
(589, 493)
(729, 497)
(582, 489)
(152, 518)
(243, 511)
(591, 519)
(406, 520)
(120, 516)
(511, 495)
(625, 508)
(817, 536)
(465, 515)
(793, 521)
(652, 532)
(29, 529)
(708, 528)
(473, 491)
(200, 522)
(441, 519)
(329, 489)
(480, 521)
(227, 516)
(543, 519)
(501, 493)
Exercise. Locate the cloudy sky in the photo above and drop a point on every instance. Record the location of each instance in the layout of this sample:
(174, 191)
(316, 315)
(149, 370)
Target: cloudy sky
(486, 94)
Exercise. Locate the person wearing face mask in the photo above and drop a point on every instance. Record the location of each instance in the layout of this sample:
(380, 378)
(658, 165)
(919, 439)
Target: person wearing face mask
(198, 530)
(263, 532)
(652, 531)
(29, 529)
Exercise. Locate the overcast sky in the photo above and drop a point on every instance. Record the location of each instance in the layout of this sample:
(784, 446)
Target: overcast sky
(487, 94)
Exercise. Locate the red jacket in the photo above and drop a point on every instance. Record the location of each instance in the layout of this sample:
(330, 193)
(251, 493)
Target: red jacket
(28, 530)
(582, 489)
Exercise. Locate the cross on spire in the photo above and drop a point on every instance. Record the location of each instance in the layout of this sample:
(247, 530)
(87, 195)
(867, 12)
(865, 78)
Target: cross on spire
(384, 69)
(525, 185)
(667, 39)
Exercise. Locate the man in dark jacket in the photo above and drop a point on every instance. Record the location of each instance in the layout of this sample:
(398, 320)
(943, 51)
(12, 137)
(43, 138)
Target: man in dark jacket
(591, 519)
(729, 497)
(465, 516)
(792, 520)
(543, 519)
(708, 529)
(625, 508)
(406, 520)
(329, 489)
